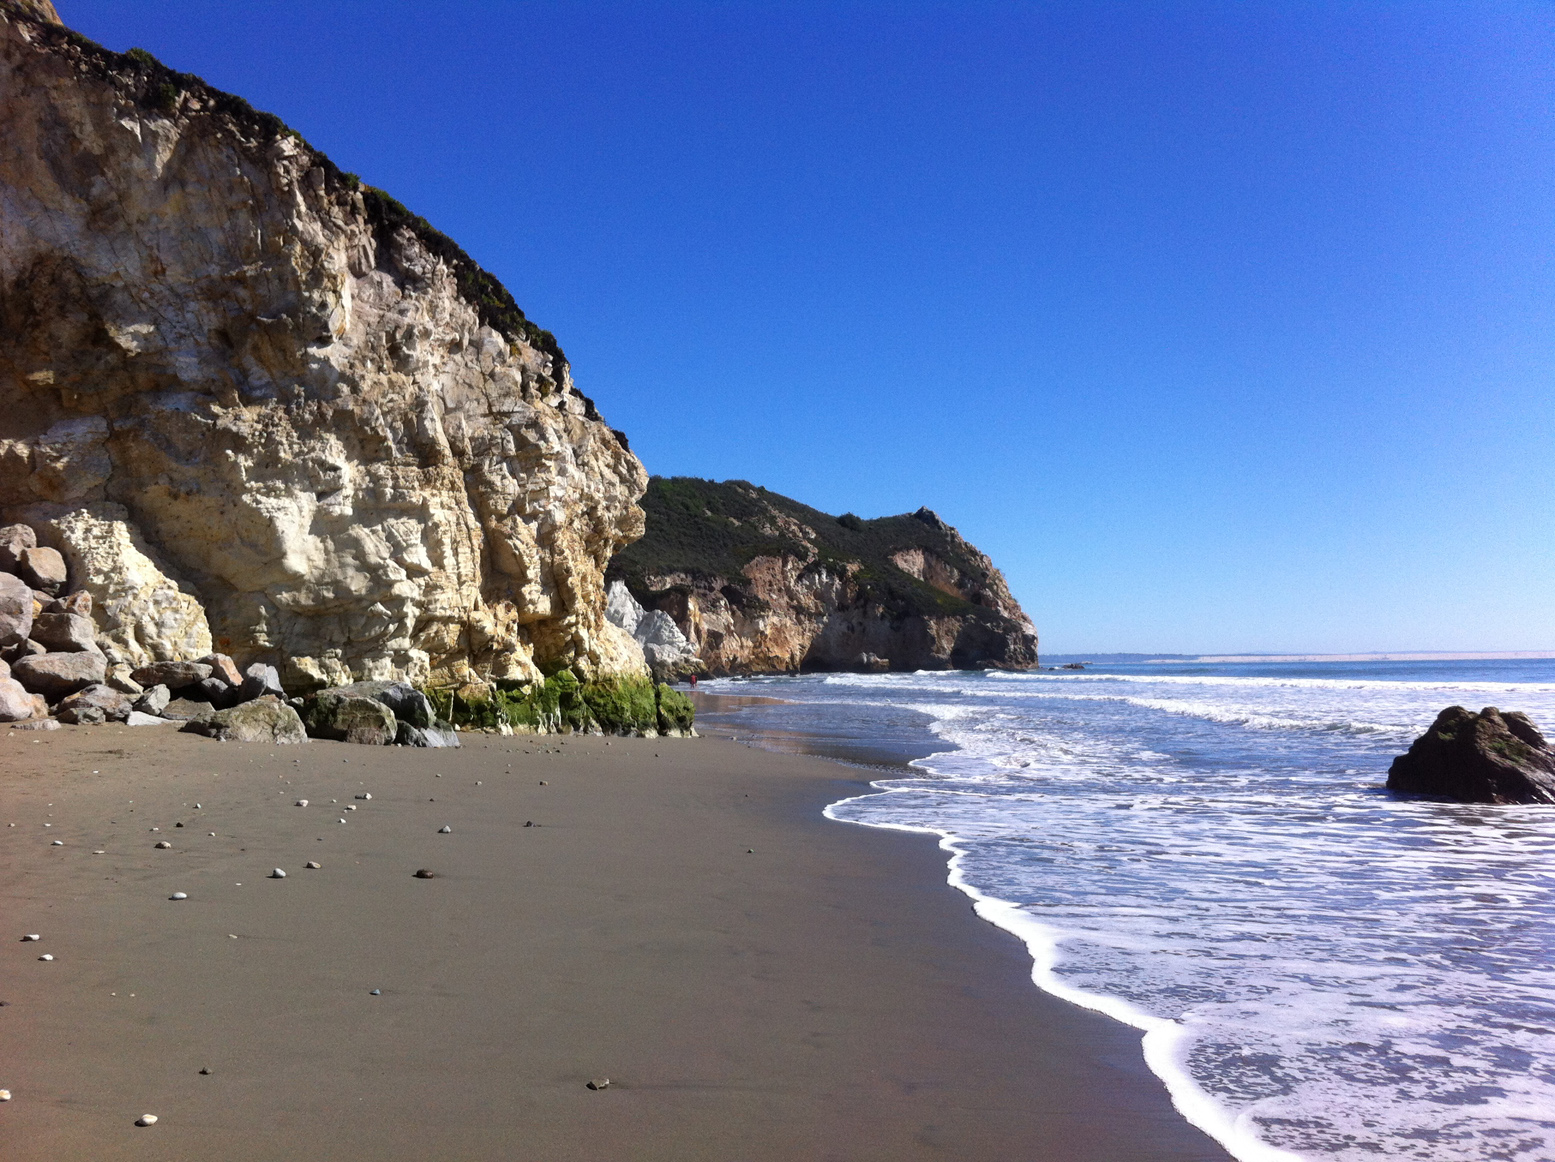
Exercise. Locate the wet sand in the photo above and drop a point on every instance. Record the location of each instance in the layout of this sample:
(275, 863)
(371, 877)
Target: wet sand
(756, 981)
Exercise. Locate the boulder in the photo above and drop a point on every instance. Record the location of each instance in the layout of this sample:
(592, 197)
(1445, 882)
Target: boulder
(212, 690)
(14, 541)
(173, 675)
(267, 720)
(136, 718)
(15, 610)
(37, 724)
(1489, 757)
(114, 705)
(224, 668)
(44, 569)
(119, 678)
(64, 633)
(440, 734)
(57, 675)
(185, 710)
(349, 718)
(16, 705)
(83, 716)
(78, 602)
(409, 704)
(154, 700)
(259, 680)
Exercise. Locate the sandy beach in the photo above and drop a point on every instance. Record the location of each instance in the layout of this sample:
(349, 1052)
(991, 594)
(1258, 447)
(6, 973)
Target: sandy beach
(755, 981)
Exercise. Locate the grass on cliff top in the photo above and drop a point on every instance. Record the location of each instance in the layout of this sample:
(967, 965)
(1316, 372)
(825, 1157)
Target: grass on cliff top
(712, 530)
(159, 89)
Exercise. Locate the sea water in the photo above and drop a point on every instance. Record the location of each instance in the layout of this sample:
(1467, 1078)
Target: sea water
(1321, 969)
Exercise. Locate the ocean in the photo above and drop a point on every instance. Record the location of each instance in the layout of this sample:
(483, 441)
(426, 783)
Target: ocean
(1320, 969)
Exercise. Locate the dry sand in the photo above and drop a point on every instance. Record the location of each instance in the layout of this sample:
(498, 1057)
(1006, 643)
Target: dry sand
(757, 982)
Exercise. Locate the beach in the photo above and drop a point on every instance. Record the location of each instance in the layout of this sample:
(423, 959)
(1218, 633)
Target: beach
(755, 981)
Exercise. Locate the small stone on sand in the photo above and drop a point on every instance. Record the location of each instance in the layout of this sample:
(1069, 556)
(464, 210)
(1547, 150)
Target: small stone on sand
(162, 843)
(529, 822)
(600, 1083)
(444, 830)
(212, 834)
(146, 1120)
(376, 993)
(302, 802)
(205, 1071)
(99, 853)
(179, 896)
(31, 936)
(313, 865)
(277, 874)
(364, 796)
(5, 1095)
(58, 843)
(350, 806)
(425, 873)
(45, 956)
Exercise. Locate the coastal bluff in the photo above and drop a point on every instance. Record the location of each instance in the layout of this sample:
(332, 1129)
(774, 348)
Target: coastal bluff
(757, 583)
(260, 409)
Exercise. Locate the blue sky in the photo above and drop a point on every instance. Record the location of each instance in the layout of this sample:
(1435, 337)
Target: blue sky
(1220, 327)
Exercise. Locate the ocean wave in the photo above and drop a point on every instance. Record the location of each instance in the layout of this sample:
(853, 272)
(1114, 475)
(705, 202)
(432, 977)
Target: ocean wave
(1388, 684)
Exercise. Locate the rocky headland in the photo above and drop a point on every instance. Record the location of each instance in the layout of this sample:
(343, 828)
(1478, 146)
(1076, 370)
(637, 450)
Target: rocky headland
(250, 406)
(757, 583)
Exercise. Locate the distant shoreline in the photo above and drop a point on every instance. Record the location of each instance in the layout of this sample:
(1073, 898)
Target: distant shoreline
(1419, 656)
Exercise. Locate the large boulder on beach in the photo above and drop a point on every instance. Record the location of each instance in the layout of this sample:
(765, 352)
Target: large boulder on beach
(223, 668)
(173, 675)
(186, 710)
(267, 720)
(16, 705)
(259, 680)
(1489, 757)
(57, 675)
(44, 569)
(409, 704)
(15, 610)
(439, 734)
(64, 633)
(350, 718)
(96, 703)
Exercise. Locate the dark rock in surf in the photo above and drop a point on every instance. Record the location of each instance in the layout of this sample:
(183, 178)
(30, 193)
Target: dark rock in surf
(1489, 757)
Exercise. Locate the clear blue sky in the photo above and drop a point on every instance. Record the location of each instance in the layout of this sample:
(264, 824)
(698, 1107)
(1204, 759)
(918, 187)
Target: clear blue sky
(1221, 327)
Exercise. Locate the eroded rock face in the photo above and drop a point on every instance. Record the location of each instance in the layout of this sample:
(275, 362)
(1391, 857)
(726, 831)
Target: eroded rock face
(1489, 757)
(255, 410)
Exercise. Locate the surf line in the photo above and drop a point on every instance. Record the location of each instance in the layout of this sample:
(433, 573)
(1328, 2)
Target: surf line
(1165, 1042)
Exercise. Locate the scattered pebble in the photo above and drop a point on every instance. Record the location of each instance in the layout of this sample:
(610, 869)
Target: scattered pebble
(206, 1071)
(212, 834)
(277, 874)
(302, 802)
(163, 843)
(178, 825)
(313, 865)
(31, 936)
(46, 956)
(364, 796)
(542, 782)
(179, 896)
(350, 806)
(340, 821)
(146, 1120)
(444, 830)
(376, 993)
(5, 1095)
(425, 873)
(529, 823)
(600, 1083)
(58, 843)
(99, 853)
(750, 851)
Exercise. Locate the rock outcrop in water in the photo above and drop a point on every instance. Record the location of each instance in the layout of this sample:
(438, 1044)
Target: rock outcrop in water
(259, 408)
(760, 584)
(1489, 757)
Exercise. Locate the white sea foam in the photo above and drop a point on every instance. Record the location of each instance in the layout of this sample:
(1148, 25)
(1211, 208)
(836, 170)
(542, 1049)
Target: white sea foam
(1319, 970)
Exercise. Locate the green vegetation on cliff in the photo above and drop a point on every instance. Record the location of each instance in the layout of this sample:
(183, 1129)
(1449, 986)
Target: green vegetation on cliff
(710, 530)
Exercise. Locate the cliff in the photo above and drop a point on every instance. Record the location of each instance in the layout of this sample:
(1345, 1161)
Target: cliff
(762, 584)
(261, 408)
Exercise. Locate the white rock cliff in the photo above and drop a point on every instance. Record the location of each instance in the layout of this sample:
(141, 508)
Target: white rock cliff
(262, 409)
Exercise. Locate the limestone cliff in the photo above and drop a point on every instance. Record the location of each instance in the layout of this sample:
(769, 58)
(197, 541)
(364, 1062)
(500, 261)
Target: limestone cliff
(262, 408)
(762, 584)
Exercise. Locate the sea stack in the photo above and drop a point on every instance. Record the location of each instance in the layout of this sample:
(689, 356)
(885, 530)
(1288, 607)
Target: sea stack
(256, 406)
(1489, 757)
